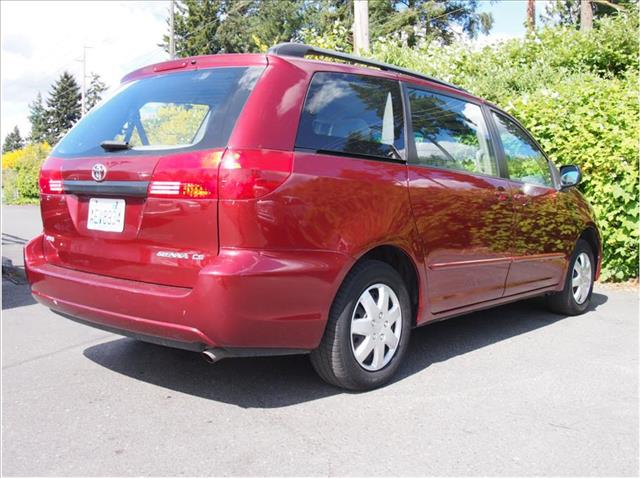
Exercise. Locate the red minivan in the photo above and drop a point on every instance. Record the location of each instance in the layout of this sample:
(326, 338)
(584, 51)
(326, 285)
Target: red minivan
(265, 204)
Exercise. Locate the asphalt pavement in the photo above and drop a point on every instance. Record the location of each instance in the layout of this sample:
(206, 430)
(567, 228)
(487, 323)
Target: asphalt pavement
(511, 391)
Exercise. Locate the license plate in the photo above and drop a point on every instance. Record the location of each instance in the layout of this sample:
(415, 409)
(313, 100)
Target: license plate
(106, 214)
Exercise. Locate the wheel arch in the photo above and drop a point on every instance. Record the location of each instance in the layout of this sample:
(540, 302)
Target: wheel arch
(591, 236)
(405, 265)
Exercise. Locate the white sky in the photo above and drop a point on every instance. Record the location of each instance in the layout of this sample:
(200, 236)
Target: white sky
(42, 39)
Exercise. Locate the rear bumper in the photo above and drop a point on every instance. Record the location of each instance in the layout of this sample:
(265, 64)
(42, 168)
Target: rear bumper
(245, 299)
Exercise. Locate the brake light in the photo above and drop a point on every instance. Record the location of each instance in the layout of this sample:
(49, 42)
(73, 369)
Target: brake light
(191, 176)
(50, 182)
(250, 174)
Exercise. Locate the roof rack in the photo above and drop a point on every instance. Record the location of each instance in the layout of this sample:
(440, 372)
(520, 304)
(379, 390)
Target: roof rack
(301, 50)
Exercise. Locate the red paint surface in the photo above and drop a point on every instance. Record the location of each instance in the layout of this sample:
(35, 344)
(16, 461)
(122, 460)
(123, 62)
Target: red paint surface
(272, 261)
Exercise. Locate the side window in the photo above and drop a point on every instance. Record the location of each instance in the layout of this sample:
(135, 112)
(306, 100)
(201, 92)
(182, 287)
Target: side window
(450, 133)
(525, 161)
(355, 114)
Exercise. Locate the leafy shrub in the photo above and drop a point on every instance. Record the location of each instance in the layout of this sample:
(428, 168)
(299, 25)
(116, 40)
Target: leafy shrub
(336, 38)
(20, 183)
(9, 188)
(9, 159)
(578, 94)
(593, 122)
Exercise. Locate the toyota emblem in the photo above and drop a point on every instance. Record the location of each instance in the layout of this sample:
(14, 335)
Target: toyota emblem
(98, 172)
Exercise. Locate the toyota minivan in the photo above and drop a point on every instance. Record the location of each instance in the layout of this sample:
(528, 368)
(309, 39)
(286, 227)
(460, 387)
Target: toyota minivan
(262, 204)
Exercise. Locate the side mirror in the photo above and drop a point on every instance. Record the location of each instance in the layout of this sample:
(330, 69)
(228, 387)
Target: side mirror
(570, 176)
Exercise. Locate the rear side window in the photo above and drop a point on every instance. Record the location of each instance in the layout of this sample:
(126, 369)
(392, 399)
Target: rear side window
(525, 161)
(193, 109)
(352, 114)
(450, 133)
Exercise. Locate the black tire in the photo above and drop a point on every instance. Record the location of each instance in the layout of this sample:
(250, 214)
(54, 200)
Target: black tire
(564, 302)
(334, 359)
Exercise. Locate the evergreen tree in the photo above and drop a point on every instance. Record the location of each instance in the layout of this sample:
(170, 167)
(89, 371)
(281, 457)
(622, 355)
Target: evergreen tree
(205, 27)
(63, 107)
(38, 120)
(13, 141)
(95, 90)
(195, 25)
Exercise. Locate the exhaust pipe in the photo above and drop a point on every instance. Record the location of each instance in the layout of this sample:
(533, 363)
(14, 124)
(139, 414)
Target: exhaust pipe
(213, 355)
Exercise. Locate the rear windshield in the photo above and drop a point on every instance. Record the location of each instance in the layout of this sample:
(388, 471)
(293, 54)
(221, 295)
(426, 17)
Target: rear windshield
(193, 109)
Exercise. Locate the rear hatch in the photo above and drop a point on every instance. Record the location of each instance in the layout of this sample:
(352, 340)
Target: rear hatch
(131, 191)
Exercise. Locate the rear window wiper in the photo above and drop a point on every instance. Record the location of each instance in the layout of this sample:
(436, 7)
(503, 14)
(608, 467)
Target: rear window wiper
(115, 145)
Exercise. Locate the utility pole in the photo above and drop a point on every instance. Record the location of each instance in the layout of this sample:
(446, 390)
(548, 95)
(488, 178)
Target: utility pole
(531, 15)
(360, 26)
(84, 79)
(586, 16)
(172, 39)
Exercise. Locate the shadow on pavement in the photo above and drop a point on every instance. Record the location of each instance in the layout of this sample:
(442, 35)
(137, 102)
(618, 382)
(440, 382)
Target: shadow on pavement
(272, 382)
(15, 294)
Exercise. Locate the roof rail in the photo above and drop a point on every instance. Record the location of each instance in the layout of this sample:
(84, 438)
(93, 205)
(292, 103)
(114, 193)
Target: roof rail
(301, 50)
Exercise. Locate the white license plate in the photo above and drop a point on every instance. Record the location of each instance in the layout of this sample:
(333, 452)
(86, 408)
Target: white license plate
(106, 214)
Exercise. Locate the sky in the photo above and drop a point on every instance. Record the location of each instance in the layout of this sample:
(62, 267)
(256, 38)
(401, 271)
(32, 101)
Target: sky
(40, 40)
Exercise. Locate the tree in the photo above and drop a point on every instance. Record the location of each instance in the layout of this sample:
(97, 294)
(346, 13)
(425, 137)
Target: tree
(13, 141)
(196, 23)
(276, 21)
(95, 90)
(63, 107)
(212, 26)
(406, 21)
(428, 19)
(38, 120)
(568, 12)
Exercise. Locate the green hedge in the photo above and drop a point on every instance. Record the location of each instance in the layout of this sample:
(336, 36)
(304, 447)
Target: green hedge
(593, 122)
(578, 94)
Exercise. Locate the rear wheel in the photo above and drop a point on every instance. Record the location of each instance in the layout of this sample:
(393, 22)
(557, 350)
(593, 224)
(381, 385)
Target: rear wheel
(574, 299)
(368, 329)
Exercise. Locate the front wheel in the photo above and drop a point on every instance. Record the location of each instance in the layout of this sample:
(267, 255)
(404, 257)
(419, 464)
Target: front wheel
(574, 299)
(368, 329)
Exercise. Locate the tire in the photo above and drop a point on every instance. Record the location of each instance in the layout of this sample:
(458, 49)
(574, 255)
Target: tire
(335, 360)
(565, 301)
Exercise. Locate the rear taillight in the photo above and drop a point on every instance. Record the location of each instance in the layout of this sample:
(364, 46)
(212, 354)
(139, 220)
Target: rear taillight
(192, 176)
(50, 181)
(250, 174)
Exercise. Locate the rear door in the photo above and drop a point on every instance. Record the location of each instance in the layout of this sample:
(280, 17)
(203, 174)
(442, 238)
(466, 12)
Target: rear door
(144, 206)
(537, 247)
(462, 207)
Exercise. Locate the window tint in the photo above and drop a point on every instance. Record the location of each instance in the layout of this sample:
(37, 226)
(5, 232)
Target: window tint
(176, 110)
(450, 133)
(524, 160)
(352, 114)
